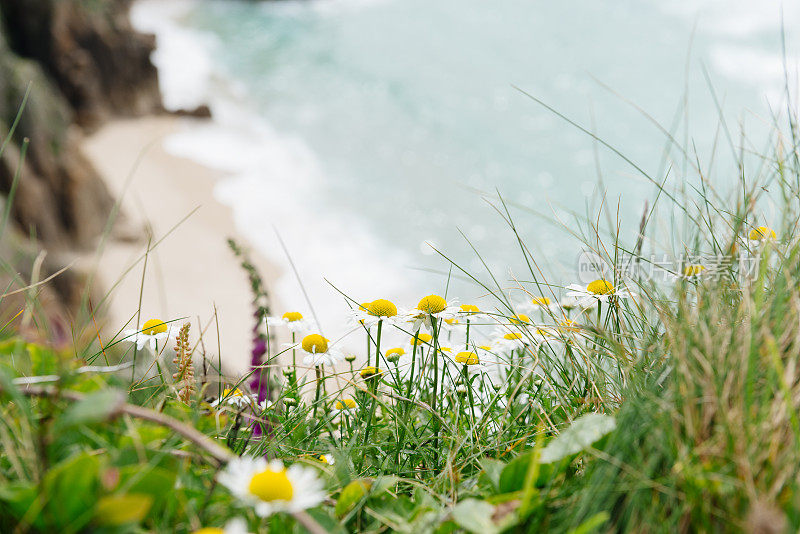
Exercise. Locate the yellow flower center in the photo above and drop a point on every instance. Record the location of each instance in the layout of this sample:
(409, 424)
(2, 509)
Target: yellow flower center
(293, 316)
(315, 344)
(541, 301)
(209, 530)
(432, 304)
(513, 335)
(382, 308)
(445, 349)
(422, 337)
(485, 347)
(469, 308)
(271, 485)
(345, 404)
(761, 233)
(600, 287)
(521, 319)
(693, 270)
(235, 392)
(322, 459)
(395, 351)
(467, 358)
(152, 327)
(568, 325)
(451, 322)
(369, 372)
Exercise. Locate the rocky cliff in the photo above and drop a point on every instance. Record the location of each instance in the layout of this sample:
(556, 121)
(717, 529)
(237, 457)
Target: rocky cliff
(79, 62)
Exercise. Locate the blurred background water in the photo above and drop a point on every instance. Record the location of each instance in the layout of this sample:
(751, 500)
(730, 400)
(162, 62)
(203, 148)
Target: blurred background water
(362, 130)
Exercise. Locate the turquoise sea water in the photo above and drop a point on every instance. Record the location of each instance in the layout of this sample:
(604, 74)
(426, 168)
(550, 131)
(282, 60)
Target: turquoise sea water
(404, 116)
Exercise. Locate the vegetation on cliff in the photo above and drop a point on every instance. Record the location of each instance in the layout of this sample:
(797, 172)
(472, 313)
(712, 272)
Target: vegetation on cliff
(73, 64)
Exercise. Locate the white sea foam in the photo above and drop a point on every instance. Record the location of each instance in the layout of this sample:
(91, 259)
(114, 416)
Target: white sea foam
(275, 182)
(737, 26)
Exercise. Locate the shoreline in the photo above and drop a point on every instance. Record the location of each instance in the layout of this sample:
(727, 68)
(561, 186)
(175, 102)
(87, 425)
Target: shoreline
(192, 271)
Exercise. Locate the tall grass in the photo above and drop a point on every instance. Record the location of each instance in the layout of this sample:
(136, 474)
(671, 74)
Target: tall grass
(661, 403)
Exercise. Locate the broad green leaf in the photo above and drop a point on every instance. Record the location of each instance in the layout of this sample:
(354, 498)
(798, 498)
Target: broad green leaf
(120, 509)
(475, 516)
(512, 478)
(491, 469)
(580, 435)
(43, 360)
(93, 408)
(70, 490)
(20, 498)
(154, 481)
(350, 496)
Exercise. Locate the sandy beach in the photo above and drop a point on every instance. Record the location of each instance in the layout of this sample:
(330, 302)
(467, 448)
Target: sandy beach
(191, 272)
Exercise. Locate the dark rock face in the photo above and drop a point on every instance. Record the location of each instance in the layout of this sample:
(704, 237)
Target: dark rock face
(100, 64)
(80, 62)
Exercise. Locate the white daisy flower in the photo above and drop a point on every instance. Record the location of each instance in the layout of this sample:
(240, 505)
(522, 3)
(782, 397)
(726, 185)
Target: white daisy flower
(510, 342)
(318, 352)
(543, 304)
(327, 459)
(235, 397)
(393, 355)
(598, 291)
(345, 406)
(269, 487)
(761, 234)
(691, 271)
(472, 313)
(569, 303)
(294, 321)
(237, 525)
(471, 360)
(432, 307)
(371, 313)
(519, 321)
(454, 324)
(153, 331)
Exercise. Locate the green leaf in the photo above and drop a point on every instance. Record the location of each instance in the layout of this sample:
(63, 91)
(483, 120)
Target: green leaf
(148, 480)
(491, 470)
(93, 408)
(7, 387)
(20, 498)
(475, 516)
(580, 435)
(382, 484)
(120, 509)
(43, 360)
(350, 496)
(70, 489)
(513, 476)
(591, 524)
